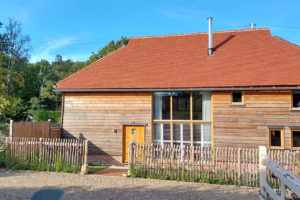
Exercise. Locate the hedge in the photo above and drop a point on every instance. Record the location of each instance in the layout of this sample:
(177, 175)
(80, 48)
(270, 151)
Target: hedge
(44, 115)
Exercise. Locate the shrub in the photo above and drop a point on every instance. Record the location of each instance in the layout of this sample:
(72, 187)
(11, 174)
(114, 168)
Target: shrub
(22, 163)
(179, 175)
(44, 115)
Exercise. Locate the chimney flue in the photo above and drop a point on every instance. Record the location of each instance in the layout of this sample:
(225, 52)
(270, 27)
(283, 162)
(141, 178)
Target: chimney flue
(252, 25)
(210, 37)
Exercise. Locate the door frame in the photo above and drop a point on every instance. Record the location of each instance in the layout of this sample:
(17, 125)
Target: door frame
(123, 134)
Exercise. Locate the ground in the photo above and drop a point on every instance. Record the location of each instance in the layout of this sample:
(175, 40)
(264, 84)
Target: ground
(22, 184)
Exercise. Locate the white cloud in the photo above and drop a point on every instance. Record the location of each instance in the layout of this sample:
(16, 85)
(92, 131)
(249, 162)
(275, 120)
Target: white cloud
(47, 51)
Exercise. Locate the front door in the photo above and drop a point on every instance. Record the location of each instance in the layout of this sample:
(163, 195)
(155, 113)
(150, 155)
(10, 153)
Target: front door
(132, 133)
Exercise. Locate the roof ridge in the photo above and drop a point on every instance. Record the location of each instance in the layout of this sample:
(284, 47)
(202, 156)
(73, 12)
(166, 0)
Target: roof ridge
(198, 33)
(90, 65)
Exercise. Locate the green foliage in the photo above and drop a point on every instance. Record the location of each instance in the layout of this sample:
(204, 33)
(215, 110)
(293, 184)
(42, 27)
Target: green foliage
(10, 107)
(44, 115)
(21, 163)
(180, 175)
(110, 47)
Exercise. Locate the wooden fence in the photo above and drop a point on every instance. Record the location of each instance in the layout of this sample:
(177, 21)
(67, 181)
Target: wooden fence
(34, 129)
(235, 165)
(48, 151)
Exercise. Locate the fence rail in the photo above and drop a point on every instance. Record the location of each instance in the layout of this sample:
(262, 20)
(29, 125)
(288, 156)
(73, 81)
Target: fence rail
(269, 168)
(236, 165)
(48, 151)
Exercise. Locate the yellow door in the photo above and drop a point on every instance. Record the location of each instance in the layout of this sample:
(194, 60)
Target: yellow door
(132, 133)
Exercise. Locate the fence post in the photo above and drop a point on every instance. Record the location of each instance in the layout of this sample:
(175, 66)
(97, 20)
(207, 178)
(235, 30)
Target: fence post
(50, 132)
(130, 156)
(297, 165)
(11, 128)
(262, 171)
(239, 166)
(85, 167)
(40, 150)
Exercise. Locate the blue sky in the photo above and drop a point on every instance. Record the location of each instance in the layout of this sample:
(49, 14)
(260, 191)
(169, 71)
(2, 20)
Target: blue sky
(75, 28)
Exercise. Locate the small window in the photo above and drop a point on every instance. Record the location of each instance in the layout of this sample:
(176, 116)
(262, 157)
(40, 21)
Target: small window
(296, 100)
(296, 139)
(133, 131)
(237, 97)
(276, 139)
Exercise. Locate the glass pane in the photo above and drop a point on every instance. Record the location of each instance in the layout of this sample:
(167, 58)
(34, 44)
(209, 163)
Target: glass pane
(181, 132)
(201, 105)
(181, 105)
(296, 138)
(237, 97)
(167, 131)
(275, 138)
(196, 132)
(161, 105)
(186, 133)
(202, 132)
(296, 100)
(206, 132)
(176, 133)
(197, 105)
(157, 132)
(161, 129)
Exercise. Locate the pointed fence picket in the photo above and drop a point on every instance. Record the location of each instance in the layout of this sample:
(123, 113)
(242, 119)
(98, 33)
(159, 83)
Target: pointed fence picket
(48, 150)
(237, 165)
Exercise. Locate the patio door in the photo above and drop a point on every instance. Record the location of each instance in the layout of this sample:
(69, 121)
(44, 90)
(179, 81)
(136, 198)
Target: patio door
(131, 133)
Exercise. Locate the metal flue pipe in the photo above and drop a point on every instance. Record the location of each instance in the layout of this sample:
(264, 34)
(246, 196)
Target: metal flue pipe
(210, 37)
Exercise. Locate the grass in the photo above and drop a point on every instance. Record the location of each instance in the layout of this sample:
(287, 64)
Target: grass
(179, 175)
(93, 169)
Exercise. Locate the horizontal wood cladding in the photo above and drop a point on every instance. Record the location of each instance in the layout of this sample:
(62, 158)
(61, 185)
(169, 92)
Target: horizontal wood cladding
(95, 116)
(248, 126)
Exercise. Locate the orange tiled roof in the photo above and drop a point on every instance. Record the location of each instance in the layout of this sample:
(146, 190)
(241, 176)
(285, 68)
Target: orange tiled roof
(241, 58)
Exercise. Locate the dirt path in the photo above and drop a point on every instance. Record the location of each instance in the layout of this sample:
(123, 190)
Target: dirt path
(22, 184)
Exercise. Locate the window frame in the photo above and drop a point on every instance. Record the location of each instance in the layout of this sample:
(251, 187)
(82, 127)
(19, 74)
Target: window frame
(292, 101)
(292, 138)
(237, 103)
(190, 121)
(281, 138)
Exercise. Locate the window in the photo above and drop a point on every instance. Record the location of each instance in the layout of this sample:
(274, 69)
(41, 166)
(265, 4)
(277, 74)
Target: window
(182, 118)
(161, 107)
(276, 138)
(202, 135)
(181, 134)
(296, 100)
(296, 139)
(237, 98)
(162, 133)
(181, 105)
(201, 106)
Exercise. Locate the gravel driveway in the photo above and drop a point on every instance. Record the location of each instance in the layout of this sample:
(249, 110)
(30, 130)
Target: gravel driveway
(22, 184)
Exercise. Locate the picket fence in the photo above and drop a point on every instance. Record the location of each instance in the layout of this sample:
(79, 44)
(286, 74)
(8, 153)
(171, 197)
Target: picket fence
(48, 150)
(238, 165)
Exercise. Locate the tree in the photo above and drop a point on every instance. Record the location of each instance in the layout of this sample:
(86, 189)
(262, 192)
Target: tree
(110, 47)
(16, 48)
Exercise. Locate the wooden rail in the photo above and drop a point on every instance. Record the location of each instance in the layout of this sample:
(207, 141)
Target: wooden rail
(286, 178)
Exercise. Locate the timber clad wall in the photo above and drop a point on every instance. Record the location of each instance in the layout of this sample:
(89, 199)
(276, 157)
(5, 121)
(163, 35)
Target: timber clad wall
(94, 116)
(248, 125)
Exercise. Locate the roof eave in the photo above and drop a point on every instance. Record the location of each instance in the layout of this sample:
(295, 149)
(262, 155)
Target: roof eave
(180, 89)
